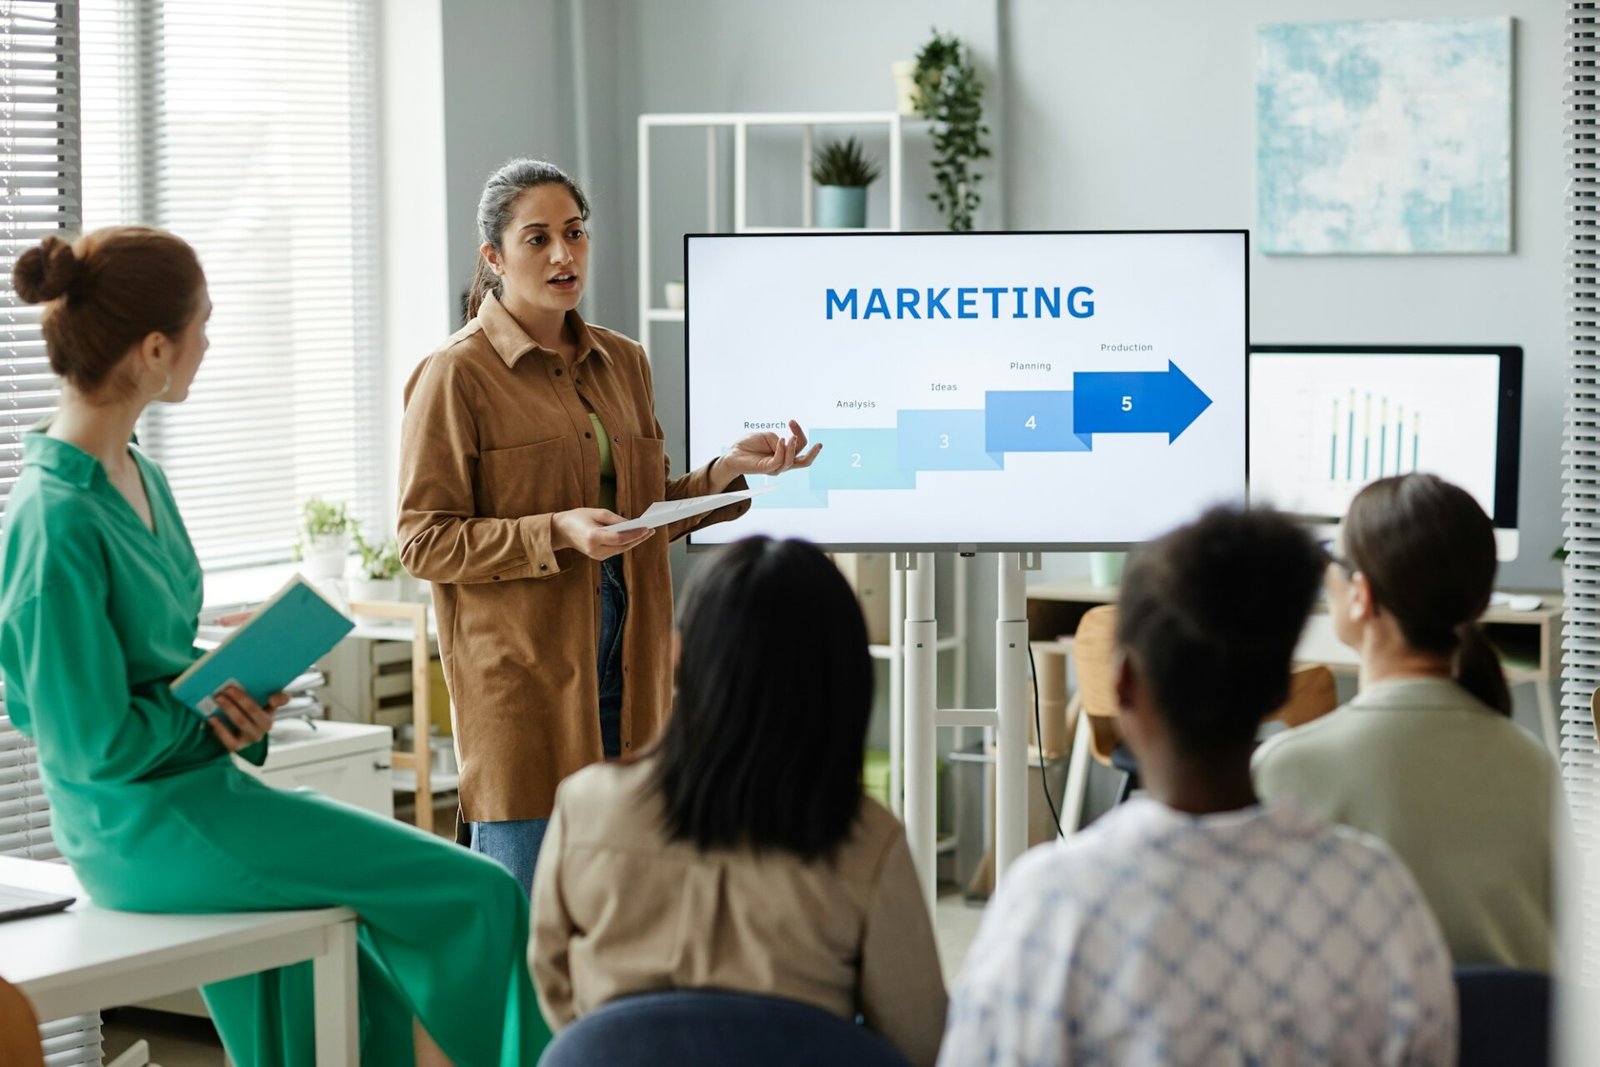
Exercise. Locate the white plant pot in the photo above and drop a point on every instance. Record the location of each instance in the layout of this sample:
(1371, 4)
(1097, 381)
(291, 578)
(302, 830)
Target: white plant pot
(325, 557)
(675, 295)
(904, 72)
(364, 588)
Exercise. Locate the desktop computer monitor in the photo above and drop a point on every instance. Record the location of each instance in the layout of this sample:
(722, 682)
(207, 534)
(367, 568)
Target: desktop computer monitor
(973, 391)
(1325, 420)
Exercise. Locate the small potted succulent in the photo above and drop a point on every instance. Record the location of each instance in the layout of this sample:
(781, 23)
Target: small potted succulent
(380, 574)
(323, 543)
(842, 172)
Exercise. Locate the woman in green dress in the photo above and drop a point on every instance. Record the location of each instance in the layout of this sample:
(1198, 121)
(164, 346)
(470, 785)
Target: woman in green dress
(100, 592)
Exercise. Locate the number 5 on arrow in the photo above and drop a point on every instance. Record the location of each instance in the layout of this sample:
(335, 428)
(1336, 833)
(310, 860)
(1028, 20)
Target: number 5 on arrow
(1127, 403)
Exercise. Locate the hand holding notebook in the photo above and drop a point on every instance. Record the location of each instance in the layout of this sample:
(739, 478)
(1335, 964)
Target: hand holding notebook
(288, 634)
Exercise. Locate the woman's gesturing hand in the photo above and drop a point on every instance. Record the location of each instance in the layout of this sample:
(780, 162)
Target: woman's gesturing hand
(767, 453)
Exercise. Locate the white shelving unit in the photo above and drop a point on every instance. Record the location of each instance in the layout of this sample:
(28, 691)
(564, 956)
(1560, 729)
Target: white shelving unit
(741, 124)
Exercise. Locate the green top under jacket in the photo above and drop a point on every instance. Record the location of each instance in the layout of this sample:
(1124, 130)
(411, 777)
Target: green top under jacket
(1462, 794)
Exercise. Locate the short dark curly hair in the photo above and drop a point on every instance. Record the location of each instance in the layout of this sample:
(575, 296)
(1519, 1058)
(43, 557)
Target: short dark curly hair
(1210, 615)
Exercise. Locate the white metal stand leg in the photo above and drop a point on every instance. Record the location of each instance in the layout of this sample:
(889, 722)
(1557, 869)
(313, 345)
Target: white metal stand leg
(897, 683)
(337, 1012)
(1009, 717)
(1011, 710)
(922, 681)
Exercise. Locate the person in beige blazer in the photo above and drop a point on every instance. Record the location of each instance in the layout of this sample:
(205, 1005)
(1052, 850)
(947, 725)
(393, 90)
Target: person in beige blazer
(1426, 756)
(740, 853)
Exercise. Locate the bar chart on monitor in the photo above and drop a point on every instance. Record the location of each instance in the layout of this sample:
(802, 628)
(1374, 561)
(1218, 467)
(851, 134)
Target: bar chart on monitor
(1321, 427)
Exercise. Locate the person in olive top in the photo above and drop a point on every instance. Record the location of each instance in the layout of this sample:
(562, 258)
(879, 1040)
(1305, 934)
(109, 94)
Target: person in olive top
(740, 852)
(526, 435)
(100, 593)
(1426, 756)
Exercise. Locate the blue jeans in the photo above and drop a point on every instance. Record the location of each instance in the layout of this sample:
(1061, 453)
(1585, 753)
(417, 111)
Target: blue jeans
(514, 843)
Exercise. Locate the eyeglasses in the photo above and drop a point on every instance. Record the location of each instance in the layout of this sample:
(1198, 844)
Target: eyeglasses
(1326, 547)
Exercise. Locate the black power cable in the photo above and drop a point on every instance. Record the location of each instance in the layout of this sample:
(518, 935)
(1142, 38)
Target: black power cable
(1038, 733)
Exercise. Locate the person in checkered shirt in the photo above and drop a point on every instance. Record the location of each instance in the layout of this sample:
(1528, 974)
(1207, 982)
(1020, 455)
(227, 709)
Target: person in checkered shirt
(1194, 925)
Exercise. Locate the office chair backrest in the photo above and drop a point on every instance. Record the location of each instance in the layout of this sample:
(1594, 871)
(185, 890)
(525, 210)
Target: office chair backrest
(717, 1029)
(1505, 1016)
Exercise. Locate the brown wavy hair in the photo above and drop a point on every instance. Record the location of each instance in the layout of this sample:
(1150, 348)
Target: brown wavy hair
(106, 292)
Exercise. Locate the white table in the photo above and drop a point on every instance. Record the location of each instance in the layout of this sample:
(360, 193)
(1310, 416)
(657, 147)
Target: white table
(87, 958)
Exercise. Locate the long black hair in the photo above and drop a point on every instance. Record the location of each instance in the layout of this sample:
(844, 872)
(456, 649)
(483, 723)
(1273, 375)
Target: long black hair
(1427, 549)
(765, 745)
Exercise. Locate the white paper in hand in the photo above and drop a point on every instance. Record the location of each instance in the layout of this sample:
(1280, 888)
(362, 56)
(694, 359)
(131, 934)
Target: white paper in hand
(664, 511)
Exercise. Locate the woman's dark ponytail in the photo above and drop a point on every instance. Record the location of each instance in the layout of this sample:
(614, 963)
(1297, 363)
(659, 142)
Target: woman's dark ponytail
(1476, 668)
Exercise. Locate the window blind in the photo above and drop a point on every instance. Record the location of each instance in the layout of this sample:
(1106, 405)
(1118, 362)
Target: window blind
(40, 182)
(39, 176)
(1580, 755)
(249, 130)
(39, 171)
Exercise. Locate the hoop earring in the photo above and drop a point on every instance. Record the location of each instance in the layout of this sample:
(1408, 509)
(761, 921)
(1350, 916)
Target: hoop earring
(166, 384)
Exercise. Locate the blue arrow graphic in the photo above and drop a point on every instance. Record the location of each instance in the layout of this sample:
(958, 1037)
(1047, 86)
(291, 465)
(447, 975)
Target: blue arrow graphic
(1135, 402)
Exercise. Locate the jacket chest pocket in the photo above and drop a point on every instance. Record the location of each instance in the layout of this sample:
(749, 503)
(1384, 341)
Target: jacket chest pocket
(529, 480)
(646, 473)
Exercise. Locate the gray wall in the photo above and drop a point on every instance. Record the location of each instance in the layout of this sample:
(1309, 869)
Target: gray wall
(1138, 113)
(508, 91)
(1141, 113)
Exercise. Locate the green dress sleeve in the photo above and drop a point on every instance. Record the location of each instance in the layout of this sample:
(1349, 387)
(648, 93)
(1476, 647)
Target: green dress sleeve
(66, 673)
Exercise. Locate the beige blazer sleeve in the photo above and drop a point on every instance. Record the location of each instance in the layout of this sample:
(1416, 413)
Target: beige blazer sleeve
(902, 987)
(442, 536)
(548, 960)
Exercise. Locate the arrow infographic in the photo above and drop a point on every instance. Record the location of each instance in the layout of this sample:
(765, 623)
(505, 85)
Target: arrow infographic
(1135, 402)
(954, 439)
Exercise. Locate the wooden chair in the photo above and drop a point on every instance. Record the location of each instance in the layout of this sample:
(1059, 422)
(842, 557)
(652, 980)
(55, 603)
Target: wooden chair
(19, 1029)
(1312, 693)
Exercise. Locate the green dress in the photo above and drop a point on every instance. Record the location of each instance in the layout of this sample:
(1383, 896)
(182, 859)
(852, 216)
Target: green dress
(97, 615)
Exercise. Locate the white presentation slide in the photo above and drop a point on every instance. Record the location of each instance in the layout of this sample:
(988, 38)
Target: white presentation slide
(1324, 425)
(992, 390)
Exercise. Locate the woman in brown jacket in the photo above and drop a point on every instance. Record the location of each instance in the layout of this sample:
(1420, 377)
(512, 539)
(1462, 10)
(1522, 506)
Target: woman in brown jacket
(526, 435)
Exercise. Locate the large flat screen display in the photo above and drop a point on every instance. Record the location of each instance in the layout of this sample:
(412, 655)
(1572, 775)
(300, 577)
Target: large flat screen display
(978, 391)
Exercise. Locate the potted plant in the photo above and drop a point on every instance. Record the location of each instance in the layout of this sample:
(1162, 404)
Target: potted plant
(842, 172)
(324, 540)
(949, 94)
(380, 570)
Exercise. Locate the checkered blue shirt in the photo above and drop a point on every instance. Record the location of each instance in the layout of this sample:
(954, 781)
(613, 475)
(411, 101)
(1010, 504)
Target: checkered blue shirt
(1254, 938)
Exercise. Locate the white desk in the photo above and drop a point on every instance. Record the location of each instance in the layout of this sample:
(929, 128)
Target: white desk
(87, 958)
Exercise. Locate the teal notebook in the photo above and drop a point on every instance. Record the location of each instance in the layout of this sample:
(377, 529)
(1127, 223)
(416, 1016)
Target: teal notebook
(288, 634)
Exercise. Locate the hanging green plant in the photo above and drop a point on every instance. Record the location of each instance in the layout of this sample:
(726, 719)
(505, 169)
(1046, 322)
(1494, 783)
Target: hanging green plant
(949, 94)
